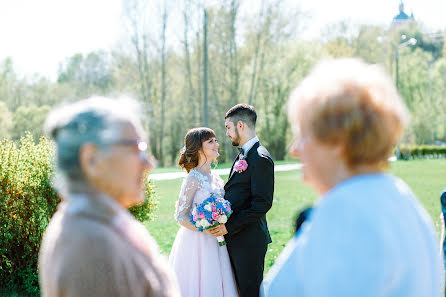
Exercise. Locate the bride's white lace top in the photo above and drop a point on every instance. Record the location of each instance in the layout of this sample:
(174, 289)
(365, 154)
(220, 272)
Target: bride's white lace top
(195, 189)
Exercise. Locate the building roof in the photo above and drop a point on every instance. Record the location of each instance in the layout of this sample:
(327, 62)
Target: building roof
(402, 17)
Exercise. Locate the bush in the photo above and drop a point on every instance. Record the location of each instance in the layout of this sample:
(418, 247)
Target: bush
(27, 202)
(144, 211)
(421, 151)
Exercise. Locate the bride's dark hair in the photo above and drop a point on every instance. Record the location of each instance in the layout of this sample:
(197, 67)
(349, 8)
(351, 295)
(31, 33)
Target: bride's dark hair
(193, 141)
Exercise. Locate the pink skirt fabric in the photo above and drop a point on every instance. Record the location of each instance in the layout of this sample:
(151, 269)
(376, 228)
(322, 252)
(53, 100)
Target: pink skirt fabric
(202, 267)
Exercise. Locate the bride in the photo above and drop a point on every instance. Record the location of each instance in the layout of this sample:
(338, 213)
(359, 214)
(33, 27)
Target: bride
(202, 267)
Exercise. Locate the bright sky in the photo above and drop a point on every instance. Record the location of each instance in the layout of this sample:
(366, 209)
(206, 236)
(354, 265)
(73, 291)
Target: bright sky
(38, 35)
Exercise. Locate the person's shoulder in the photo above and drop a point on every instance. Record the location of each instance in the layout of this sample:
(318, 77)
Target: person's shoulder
(76, 239)
(77, 227)
(262, 153)
(193, 177)
(363, 197)
(85, 230)
(371, 185)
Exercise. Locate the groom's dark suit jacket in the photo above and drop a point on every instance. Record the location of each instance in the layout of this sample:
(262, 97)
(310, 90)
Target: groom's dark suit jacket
(251, 195)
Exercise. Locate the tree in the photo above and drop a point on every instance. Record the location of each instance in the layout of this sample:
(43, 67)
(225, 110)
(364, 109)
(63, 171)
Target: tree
(5, 121)
(87, 75)
(29, 118)
(150, 52)
(136, 21)
(414, 86)
(338, 39)
(282, 73)
(163, 53)
(9, 85)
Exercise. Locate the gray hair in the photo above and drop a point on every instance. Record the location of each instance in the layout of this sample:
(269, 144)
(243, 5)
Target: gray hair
(95, 120)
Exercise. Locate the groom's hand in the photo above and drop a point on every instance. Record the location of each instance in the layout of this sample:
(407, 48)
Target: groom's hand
(220, 230)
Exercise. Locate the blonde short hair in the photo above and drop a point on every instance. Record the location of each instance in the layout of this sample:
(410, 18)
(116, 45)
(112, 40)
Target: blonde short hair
(349, 102)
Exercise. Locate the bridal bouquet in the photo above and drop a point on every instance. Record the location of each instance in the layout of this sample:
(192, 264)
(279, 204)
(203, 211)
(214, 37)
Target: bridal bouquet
(212, 212)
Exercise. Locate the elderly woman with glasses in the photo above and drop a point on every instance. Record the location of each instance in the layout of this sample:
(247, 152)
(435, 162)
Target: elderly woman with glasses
(368, 235)
(93, 246)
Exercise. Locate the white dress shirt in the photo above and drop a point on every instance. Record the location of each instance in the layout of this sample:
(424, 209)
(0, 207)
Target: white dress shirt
(249, 144)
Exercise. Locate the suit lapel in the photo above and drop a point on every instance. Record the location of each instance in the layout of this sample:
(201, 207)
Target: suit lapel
(231, 173)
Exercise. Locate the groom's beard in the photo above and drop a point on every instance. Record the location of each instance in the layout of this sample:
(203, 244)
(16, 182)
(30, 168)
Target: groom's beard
(236, 140)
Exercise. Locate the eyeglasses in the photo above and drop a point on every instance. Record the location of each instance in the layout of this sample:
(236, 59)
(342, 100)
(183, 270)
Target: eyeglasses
(138, 144)
(141, 145)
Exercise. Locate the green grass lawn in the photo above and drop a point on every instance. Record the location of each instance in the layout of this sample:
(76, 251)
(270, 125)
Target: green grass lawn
(427, 178)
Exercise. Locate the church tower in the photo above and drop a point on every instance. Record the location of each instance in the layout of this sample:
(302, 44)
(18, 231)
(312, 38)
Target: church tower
(402, 17)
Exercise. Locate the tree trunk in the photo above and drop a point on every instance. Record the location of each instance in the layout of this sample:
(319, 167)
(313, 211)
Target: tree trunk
(205, 68)
(163, 84)
(256, 55)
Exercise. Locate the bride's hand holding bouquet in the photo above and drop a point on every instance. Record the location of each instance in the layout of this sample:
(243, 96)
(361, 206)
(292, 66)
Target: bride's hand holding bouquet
(212, 212)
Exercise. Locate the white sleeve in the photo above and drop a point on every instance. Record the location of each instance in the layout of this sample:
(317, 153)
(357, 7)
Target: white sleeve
(186, 198)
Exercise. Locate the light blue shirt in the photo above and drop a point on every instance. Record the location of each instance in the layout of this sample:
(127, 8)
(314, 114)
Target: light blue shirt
(367, 237)
(249, 144)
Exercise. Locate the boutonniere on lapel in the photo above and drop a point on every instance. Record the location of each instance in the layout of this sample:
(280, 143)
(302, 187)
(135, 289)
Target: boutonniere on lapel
(240, 166)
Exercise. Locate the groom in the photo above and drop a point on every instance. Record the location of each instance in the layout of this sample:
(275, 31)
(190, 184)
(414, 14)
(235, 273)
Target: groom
(250, 192)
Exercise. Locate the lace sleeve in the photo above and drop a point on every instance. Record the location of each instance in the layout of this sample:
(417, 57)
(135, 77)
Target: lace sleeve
(220, 186)
(186, 198)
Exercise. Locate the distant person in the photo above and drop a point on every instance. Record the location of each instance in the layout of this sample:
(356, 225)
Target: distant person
(93, 246)
(368, 235)
(202, 266)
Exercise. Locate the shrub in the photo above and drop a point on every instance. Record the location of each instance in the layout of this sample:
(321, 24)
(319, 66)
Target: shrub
(27, 202)
(421, 151)
(144, 211)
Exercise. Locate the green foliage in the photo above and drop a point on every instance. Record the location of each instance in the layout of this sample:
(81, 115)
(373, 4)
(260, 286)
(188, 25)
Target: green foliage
(27, 202)
(29, 118)
(422, 151)
(425, 42)
(284, 73)
(144, 211)
(5, 120)
(88, 75)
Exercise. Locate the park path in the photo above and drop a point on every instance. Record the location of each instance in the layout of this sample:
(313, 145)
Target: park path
(175, 175)
(283, 167)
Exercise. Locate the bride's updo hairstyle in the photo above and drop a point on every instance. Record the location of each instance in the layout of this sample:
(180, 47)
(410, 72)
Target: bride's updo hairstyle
(193, 141)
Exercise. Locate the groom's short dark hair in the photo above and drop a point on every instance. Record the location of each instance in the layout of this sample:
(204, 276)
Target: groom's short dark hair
(242, 112)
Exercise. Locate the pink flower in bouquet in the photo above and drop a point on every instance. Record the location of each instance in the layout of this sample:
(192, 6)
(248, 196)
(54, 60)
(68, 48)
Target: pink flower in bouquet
(215, 216)
(240, 166)
(214, 208)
